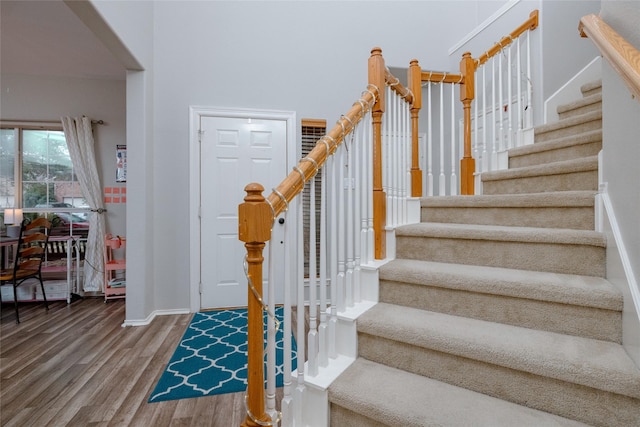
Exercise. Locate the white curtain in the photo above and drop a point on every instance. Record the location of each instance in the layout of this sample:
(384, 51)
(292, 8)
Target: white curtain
(79, 136)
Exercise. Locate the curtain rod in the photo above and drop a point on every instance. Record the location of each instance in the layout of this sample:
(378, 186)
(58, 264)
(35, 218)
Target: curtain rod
(6, 122)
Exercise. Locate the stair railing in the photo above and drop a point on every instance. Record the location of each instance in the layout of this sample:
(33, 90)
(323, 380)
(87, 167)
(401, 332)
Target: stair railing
(500, 83)
(367, 163)
(622, 55)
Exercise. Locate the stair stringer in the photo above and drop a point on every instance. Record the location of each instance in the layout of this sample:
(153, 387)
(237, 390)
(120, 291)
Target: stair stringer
(315, 402)
(620, 273)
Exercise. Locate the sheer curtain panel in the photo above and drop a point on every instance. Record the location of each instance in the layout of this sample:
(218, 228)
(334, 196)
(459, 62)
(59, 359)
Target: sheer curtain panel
(79, 135)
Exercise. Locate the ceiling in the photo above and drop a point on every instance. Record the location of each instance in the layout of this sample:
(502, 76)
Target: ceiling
(47, 38)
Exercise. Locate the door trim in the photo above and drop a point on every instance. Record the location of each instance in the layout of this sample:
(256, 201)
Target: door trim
(195, 114)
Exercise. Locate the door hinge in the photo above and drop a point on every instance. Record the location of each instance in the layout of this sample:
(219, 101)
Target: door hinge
(200, 133)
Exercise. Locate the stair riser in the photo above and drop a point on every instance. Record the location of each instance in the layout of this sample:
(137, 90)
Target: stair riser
(343, 417)
(549, 316)
(578, 218)
(568, 131)
(556, 258)
(561, 154)
(589, 108)
(585, 404)
(592, 90)
(577, 181)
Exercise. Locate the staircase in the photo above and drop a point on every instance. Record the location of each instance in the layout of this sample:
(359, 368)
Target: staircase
(495, 311)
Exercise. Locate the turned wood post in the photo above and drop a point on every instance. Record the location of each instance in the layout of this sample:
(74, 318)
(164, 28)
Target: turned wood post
(254, 229)
(377, 79)
(467, 163)
(415, 85)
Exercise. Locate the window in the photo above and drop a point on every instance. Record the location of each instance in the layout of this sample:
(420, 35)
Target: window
(36, 174)
(312, 131)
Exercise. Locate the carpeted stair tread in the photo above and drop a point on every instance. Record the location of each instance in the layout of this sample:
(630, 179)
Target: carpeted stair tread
(569, 122)
(560, 149)
(582, 106)
(500, 233)
(531, 200)
(587, 291)
(562, 209)
(564, 142)
(585, 164)
(601, 365)
(590, 88)
(397, 398)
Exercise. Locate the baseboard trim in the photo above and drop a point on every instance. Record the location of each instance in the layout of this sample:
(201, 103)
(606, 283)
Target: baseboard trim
(622, 251)
(152, 315)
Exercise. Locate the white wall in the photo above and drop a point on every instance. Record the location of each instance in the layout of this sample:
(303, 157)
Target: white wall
(49, 98)
(564, 52)
(621, 149)
(308, 57)
(127, 29)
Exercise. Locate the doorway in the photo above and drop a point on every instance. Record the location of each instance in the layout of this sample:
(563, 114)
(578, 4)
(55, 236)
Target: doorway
(230, 149)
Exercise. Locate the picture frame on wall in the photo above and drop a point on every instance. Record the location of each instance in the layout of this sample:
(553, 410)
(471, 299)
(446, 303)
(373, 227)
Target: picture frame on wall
(121, 163)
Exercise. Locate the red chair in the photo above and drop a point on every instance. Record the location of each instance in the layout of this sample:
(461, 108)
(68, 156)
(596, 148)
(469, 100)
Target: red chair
(115, 266)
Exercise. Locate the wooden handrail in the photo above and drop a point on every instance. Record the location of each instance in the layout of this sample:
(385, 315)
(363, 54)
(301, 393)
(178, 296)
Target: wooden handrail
(623, 57)
(529, 24)
(292, 185)
(440, 77)
(393, 82)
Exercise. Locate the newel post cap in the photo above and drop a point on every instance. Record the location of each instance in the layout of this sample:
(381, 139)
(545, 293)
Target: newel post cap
(254, 216)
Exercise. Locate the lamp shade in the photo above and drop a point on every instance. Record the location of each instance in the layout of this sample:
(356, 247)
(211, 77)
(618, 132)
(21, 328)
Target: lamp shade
(12, 216)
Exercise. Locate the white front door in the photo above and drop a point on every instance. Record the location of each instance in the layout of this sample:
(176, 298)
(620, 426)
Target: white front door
(233, 153)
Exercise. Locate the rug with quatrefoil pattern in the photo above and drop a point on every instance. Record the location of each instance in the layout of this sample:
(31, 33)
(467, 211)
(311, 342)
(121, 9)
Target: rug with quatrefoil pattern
(212, 357)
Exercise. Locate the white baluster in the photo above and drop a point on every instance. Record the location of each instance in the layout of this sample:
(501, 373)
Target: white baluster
(519, 86)
(509, 99)
(340, 297)
(365, 195)
(441, 177)
(369, 177)
(286, 405)
(333, 178)
(393, 161)
(323, 354)
(312, 338)
(349, 218)
(386, 159)
(356, 218)
(502, 103)
(494, 107)
(485, 154)
(270, 396)
(529, 115)
(429, 143)
(300, 333)
(453, 184)
(475, 142)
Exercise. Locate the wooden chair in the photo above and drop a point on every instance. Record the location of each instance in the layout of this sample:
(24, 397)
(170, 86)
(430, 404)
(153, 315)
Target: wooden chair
(29, 255)
(113, 265)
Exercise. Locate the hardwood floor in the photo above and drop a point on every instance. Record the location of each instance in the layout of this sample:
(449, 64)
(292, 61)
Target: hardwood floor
(77, 366)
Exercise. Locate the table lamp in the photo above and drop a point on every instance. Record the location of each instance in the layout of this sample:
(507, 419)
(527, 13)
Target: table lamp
(13, 219)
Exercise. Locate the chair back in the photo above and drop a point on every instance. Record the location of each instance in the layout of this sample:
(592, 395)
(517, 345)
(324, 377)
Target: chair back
(31, 248)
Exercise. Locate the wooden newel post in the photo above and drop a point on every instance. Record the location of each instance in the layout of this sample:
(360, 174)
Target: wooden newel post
(376, 78)
(254, 229)
(467, 163)
(415, 85)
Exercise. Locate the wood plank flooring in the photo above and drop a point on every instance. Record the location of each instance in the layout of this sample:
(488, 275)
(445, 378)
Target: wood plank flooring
(77, 366)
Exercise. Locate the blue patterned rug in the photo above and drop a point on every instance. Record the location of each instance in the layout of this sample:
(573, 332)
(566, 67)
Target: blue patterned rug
(212, 357)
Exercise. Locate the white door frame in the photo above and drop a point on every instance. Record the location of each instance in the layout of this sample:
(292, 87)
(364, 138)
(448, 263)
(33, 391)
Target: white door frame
(195, 114)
